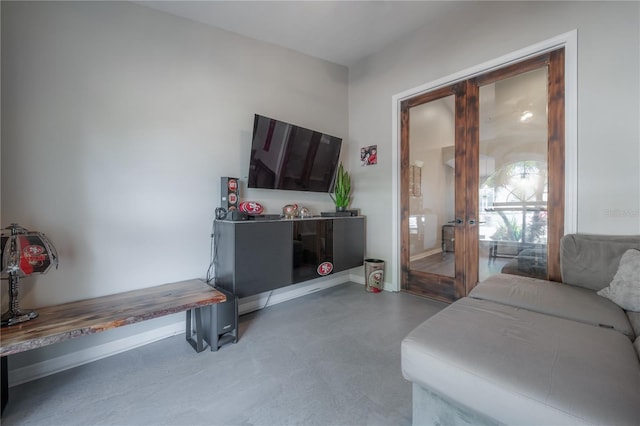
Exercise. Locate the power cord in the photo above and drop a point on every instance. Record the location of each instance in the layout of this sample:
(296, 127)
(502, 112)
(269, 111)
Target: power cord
(213, 250)
(267, 302)
(220, 214)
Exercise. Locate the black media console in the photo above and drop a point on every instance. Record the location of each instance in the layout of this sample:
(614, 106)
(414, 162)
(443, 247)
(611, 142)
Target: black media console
(257, 256)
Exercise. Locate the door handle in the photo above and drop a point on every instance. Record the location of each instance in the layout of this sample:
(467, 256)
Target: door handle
(472, 222)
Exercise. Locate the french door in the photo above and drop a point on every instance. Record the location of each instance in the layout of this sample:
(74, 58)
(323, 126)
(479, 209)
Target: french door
(482, 178)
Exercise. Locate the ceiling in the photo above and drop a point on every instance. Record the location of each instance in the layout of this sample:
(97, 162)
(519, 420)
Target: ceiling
(342, 32)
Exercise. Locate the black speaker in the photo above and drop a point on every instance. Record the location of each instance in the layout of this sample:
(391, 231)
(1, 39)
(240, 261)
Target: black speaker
(229, 193)
(225, 323)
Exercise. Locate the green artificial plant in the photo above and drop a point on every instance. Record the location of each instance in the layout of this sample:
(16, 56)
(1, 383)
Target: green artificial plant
(341, 189)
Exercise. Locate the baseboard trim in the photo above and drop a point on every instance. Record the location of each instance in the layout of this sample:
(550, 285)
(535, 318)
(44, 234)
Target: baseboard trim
(84, 356)
(77, 358)
(262, 300)
(425, 254)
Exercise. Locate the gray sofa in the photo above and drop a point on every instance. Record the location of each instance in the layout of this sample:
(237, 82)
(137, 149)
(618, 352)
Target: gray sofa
(522, 350)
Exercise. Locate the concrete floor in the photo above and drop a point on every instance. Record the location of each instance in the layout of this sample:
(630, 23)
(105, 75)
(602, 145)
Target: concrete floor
(330, 358)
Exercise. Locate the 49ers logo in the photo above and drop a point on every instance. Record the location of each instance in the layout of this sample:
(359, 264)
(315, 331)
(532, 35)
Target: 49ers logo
(325, 268)
(34, 254)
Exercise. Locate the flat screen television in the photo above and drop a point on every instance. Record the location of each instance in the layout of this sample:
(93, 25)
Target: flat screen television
(285, 156)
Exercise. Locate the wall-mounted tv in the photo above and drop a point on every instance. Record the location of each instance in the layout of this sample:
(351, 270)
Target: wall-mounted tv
(285, 156)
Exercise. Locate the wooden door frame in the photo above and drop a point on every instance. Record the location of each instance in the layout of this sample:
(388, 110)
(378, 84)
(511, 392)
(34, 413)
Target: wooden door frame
(569, 42)
(555, 64)
(455, 284)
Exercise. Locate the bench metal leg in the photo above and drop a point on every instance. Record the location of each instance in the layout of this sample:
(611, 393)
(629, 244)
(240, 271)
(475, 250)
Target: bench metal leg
(235, 332)
(197, 344)
(5, 383)
(213, 328)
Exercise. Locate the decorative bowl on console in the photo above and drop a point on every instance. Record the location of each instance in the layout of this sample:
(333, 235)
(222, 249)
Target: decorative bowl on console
(290, 211)
(304, 212)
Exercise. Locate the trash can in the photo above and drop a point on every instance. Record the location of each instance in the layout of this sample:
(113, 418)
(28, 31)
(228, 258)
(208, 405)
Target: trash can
(373, 275)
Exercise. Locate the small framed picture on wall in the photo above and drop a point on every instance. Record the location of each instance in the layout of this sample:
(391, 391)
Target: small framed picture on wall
(369, 155)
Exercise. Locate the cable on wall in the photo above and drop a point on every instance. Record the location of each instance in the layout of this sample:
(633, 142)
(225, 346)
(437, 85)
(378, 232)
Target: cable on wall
(213, 250)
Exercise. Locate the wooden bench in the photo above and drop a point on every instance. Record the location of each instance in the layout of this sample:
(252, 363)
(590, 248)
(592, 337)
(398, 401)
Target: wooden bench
(58, 323)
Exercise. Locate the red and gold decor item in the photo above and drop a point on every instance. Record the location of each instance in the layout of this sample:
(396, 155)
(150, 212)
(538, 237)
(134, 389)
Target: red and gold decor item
(290, 211)
(251, 207)
(24, 253)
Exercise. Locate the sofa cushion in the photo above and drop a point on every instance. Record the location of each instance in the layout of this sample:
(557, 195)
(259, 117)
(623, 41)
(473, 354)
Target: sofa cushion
(518, 366)
(624, 290)
(560, 300)
(634, 320)
(591, 261)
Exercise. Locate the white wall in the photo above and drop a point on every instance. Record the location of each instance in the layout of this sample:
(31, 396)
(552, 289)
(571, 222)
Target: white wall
(608, 193)
(118, 122)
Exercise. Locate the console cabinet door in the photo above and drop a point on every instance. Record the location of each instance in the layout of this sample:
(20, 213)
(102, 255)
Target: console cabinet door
(348, 243)
(254, 257)
(312, 246)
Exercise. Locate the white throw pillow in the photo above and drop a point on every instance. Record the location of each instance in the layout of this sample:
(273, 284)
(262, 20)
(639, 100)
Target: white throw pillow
(624, 290)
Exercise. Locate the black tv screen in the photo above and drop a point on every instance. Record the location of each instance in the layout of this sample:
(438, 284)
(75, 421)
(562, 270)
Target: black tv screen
(285, 156)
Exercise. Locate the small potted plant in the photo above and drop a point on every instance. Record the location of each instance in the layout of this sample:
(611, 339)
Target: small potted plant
(342, 189)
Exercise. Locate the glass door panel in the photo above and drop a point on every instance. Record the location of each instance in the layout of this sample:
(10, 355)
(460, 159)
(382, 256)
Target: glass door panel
(429, 197)
(513, 176)
(432, 187)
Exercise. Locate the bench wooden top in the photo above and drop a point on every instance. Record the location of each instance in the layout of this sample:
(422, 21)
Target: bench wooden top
(58, 323)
